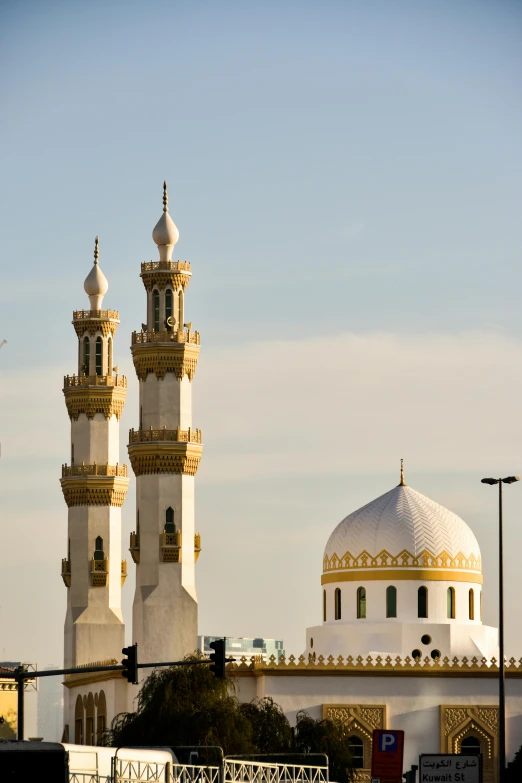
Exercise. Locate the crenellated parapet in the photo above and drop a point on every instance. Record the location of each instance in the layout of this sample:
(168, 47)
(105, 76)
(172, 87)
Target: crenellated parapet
(94, 485)
(92, 321)
(160, 274)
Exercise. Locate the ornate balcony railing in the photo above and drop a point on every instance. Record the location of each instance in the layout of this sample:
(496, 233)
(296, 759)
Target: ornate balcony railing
(179, 336)
(171, 266)
(94, 470)
(81, 315)
(71, 381)
(197, 546)
(170, 547)
(66, 572)
(164, 435)
(99, 572)
(134, 547)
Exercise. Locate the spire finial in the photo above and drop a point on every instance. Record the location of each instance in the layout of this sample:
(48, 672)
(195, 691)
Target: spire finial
(165, 197)
(402, 482)
(96, 251)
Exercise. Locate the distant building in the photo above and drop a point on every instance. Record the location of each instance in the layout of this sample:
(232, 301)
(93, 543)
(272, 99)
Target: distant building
(50, 707)
(239, 646)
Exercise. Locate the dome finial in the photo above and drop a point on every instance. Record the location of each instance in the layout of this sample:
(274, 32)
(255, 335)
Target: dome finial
(165, 197)
(96, 285)
(402, 482)
(165, 233)
(96, 251)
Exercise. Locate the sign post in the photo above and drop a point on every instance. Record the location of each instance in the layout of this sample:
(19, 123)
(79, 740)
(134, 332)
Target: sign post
(450, 768)
(387, 755)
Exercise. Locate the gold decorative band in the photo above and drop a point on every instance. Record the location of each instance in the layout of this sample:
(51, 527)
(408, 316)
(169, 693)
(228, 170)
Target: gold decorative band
(161, 280)
(92, 326)
(108, 401)
(394, 574)
(147, 458)
(164, 435)
(178, 358)
(94, 490)
(404, 559)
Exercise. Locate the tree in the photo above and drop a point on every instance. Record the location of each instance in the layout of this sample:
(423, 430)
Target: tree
(325, 736)
(514, 770)
(271, 730)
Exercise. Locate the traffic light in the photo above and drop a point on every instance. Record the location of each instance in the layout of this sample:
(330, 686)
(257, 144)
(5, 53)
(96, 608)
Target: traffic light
(411, 775)
(130, 672)
(218, 657)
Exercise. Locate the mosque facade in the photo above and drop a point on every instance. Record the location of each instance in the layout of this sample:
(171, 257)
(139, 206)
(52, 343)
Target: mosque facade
(400, 644)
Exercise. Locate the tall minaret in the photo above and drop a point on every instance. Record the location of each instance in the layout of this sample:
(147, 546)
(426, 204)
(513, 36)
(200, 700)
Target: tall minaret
(94, 486)
(165, 452)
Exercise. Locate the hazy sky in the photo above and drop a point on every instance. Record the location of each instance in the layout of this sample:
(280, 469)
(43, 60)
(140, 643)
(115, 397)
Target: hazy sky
(346, 179)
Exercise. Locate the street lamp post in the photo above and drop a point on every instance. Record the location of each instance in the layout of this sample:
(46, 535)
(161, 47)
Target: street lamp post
(501, 672)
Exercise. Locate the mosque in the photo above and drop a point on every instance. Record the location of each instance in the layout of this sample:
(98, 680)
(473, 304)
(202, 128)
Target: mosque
(400, 644)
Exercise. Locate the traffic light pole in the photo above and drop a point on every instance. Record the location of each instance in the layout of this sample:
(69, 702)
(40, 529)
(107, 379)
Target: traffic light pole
(21, 674)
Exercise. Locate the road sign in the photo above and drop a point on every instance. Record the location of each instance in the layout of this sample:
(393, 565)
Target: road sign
(450, 768)
(388, 750)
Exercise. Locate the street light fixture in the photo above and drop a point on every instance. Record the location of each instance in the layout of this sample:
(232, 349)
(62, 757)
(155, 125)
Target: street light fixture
(501, 673)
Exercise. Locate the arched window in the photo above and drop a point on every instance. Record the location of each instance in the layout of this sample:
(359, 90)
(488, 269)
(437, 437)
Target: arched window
(89, 720)
(181, 314)
(109, 352)
(98, 549)
(101, 718)
(422, 602)
(78, 721)
(155, 305)
(324, 606)
(361, 603)
(451, 603)
(170, 527)
(471, 599)
(337, 604)
(356, 751)
(391, 601)
(86, 355)
(98, 356)
(168, 306)
(470, 746)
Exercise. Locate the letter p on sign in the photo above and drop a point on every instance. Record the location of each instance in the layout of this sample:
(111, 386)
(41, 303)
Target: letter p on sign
(387, 741)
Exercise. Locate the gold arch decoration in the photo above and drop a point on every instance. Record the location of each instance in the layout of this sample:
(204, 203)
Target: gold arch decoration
(404, 559)
(175, 457)
(159, 359)
(359, 720)
(457, 722)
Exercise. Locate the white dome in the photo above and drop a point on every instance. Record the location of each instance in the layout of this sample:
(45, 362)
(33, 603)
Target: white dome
(400, 521)
(165, 231)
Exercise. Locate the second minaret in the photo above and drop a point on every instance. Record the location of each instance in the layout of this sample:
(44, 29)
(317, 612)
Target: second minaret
(165, 453)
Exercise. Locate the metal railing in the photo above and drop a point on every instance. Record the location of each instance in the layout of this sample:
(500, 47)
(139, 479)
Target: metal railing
(178, 435)
(80, 315)
(171, 266)
(164, 336)
(94, 470)
(188, 773)
(70, 381)
(141, 771)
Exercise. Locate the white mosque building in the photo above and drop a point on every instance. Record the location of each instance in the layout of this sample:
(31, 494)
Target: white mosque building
(400, 645)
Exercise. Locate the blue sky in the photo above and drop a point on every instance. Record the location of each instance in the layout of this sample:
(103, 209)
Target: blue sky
(346, 181)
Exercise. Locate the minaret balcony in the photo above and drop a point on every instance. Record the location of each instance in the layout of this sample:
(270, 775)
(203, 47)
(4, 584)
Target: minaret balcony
(99, 572)
(94, 470)
(66, 572)
(166, 336)
(91, 394)
(159, 274)
(197, 546)
(164, 435)
(170, 547)
(134, 547)
(123, 572)
(92, 321)
(165, 451)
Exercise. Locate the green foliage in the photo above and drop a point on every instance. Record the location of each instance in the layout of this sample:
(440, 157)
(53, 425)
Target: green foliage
(188, 705)
(325, 736)
(514, 770)
(270, 728)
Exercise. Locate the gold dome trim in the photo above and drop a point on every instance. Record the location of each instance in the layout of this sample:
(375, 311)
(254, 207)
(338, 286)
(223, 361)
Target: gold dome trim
(404, 559)
(395, 574)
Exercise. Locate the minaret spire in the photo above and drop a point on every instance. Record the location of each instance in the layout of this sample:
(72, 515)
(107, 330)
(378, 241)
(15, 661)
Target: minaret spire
(165, 197)
(402, 483)
(96, 251)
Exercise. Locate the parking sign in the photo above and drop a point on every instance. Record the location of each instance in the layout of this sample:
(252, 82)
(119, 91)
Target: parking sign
(387, 756)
